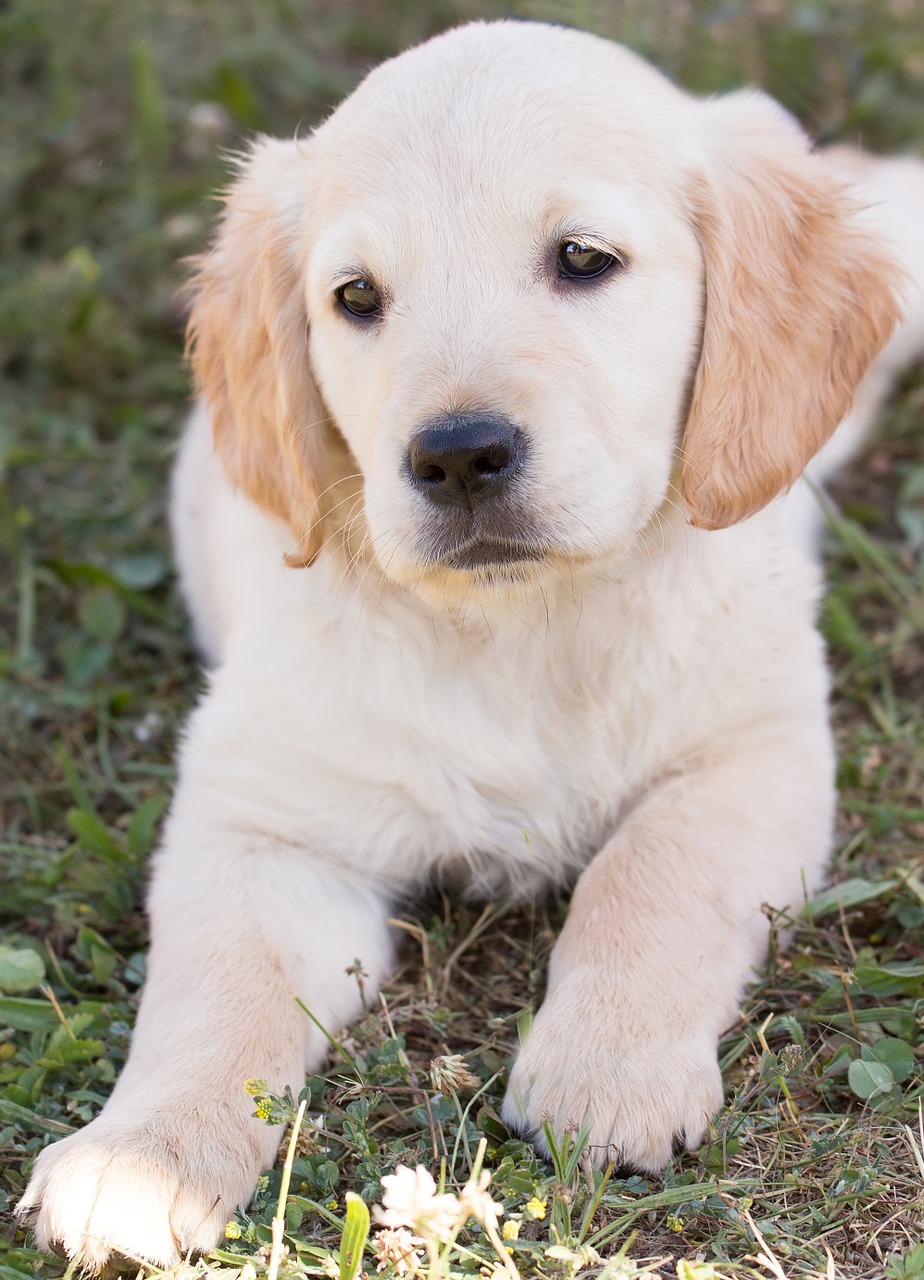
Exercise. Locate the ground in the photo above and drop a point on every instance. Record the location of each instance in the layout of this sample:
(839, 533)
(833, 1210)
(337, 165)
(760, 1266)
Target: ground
(113, 120)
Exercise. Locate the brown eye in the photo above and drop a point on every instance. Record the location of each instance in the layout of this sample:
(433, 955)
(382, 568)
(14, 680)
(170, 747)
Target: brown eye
(360, 297)
(582, 261)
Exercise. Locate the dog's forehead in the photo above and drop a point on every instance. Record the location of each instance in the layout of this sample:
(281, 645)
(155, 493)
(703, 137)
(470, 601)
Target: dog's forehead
(488, 102)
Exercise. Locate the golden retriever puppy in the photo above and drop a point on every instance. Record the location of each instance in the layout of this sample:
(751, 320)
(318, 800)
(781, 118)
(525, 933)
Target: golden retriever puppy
(503, 373)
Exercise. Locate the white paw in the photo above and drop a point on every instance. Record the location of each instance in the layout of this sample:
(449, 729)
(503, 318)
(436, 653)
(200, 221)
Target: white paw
(644, 1090)
(151, 1187)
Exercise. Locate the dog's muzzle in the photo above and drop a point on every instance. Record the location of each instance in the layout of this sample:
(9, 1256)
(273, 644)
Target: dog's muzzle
(467, 466)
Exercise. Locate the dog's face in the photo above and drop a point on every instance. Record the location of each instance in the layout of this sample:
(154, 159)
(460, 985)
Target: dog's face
(539, 293)
(505, 305)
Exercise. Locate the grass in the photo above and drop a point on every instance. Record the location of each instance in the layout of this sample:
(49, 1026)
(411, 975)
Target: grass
(112, 121)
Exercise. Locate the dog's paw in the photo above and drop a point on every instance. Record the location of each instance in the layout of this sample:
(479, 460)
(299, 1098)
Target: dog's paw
(642, 1096)
(151, 1188)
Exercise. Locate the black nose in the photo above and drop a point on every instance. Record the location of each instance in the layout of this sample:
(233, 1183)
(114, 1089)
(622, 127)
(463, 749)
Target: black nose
(464, 458)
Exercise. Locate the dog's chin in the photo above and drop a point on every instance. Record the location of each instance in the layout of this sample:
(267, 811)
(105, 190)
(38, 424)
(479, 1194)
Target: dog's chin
(493, 556)
(448, 588)
(486, 572)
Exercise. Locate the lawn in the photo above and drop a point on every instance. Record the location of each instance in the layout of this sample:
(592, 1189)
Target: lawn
(115, 123)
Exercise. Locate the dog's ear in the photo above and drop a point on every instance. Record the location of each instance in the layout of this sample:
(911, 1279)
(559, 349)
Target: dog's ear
(248, 342)
(798, 301)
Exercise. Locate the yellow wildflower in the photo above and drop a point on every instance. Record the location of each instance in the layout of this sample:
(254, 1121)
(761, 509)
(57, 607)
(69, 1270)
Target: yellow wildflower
(536, 1208)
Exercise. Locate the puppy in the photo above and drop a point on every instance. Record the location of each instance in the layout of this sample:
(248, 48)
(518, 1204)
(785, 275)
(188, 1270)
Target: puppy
(503, 373)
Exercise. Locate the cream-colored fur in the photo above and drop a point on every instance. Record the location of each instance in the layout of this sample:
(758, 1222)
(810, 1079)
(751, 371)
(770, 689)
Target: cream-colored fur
(639, 704)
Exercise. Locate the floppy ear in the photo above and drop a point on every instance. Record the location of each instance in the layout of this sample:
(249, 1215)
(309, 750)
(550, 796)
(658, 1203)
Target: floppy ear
(798, 301)
(248, 342)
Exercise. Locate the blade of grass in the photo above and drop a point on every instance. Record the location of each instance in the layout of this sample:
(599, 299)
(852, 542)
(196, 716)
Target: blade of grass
(279, 1219)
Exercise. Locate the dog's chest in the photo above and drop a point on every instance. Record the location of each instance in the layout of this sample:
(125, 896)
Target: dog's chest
(501, 749)
(500, 755)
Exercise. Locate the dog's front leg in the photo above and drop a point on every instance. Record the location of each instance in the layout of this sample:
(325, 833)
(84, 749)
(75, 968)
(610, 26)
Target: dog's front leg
(663, 931)
(240, 926)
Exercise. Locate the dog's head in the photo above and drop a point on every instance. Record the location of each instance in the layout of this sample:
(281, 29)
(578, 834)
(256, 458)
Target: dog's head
(525, 292)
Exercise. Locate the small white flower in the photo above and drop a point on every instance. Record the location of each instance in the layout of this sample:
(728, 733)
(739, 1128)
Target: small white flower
(449, 1073)
(398, 1247)
(149, 727)
(409, 1199)
(476, 1203)
(209, 118)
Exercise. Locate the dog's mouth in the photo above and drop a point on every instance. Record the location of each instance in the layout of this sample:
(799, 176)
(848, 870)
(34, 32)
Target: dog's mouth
(487, 553)
(495, 537)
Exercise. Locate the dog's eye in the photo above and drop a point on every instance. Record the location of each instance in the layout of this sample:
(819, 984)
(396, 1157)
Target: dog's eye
(360, 297)
(583, 262)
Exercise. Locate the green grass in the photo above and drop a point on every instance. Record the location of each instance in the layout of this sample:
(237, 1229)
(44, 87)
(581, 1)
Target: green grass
(107, 158)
